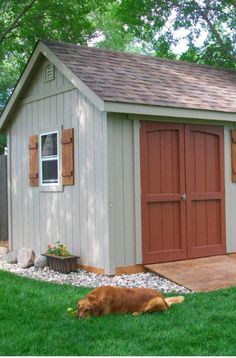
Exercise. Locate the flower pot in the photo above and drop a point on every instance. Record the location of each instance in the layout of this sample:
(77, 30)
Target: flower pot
(62, 264)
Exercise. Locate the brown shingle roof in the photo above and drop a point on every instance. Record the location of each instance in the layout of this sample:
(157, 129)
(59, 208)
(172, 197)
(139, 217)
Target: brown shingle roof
(138, 79)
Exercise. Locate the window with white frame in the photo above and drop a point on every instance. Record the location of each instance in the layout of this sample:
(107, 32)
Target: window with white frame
(49, 158)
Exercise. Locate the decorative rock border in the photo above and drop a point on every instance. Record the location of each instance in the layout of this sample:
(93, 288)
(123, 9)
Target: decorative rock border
(82, 278)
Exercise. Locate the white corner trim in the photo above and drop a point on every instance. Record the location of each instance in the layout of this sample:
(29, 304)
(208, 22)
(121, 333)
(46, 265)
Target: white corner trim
(109, 262)
(149, 110)
(9, 190)
(137, 193)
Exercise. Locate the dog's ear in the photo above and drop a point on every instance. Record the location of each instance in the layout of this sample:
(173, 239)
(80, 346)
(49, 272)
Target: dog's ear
(96, 308)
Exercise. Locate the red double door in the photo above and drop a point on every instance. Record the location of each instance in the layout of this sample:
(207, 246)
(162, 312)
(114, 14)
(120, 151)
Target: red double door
(182, 180)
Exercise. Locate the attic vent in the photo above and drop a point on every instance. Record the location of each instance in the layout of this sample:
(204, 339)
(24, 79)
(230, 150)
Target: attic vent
(49, 73)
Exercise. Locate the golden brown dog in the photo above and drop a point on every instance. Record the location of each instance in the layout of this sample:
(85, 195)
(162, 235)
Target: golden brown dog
(108, 299)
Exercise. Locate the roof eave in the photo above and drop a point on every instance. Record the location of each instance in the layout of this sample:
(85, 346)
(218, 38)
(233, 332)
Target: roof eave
(42, 49)
(161, 111)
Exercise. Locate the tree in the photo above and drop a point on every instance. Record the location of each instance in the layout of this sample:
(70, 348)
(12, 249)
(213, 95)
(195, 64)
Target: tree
(2, 144)
(23, 22)
(147, 26)
(155, 25)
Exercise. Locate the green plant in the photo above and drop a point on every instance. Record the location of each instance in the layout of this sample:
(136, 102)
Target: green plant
(58, 249)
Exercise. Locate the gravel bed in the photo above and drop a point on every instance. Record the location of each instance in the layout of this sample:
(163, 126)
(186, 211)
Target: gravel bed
(88, 279)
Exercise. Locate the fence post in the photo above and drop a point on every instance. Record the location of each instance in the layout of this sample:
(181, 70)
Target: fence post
(3, 199)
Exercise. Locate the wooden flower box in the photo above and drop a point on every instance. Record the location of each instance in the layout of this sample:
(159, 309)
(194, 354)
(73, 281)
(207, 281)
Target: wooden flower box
(62, 264)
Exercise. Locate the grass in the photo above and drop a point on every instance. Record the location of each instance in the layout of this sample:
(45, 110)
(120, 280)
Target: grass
(34, 321)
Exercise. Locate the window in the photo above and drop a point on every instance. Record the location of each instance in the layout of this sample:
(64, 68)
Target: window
(51, 165)
(49, 159)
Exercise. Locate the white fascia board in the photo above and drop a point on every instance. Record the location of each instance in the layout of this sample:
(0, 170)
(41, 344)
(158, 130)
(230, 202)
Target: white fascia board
(42, 49)
(139, 109)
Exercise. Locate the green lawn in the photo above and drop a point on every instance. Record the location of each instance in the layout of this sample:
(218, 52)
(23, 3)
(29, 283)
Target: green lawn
(34, 321)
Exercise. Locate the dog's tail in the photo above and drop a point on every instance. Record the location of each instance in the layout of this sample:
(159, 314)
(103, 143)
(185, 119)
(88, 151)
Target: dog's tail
(173, 300)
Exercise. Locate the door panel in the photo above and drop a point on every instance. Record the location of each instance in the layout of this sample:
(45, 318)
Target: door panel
(163, 183)
(178, 159)
(205, 190)
(167, 218)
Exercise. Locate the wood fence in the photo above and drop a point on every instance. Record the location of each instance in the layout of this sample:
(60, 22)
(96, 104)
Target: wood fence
(3, 199)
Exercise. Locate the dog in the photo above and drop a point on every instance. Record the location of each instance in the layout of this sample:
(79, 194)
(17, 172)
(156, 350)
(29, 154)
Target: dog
(108, 299)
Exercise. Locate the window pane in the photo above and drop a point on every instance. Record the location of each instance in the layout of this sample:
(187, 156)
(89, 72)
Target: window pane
(49, 171)
(49, 144)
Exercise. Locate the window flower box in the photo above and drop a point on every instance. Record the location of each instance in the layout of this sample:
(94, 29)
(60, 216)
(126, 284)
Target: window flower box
(59, 258)
(62, 264)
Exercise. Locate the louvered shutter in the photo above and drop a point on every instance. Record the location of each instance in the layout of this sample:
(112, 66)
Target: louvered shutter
(33, 161)
(67, 141)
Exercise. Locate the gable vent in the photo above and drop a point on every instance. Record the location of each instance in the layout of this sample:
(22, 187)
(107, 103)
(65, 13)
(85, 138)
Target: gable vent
(49, 73)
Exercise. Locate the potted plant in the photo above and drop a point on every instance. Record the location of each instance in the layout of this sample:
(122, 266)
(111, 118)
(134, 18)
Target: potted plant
(59, 258)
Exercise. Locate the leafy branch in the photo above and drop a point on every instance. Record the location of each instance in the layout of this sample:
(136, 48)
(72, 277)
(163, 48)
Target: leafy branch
(204, 15)
(15, 23)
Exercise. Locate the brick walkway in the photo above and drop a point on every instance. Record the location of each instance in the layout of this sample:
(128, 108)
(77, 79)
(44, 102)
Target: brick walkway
(204, 274)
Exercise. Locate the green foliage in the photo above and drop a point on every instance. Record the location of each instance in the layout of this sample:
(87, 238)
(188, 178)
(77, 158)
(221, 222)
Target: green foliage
(147, 26)
(34, 321)
(2, 143)
(161, 25)
(69, 21)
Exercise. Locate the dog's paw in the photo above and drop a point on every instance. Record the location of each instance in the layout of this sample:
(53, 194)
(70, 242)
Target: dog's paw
(135, 314)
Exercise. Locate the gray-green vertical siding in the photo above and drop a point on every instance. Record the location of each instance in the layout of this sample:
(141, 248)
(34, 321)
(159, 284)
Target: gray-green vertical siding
(77, 215)
(124, 191)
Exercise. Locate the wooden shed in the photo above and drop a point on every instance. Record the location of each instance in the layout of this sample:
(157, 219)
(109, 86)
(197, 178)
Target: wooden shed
(127, 159)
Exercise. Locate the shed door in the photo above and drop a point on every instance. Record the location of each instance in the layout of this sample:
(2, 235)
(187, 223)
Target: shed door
(182, 191)
(205, 190)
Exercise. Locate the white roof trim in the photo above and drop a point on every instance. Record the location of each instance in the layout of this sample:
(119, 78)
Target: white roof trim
(42, 49)
(149, 110)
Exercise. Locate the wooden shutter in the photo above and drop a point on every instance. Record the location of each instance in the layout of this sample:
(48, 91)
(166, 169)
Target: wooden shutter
(33, 161)
(67, 141)
(233, 154)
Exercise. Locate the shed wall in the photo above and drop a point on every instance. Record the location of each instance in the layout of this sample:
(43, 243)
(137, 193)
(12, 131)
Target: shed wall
(124, 190)
(77, 214)
(124, 187)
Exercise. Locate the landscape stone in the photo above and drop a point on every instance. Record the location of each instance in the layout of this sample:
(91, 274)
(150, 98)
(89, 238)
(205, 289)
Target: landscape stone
(3, 251)
(82, 278)
(25, 257)
(11, 257)
(41, 261)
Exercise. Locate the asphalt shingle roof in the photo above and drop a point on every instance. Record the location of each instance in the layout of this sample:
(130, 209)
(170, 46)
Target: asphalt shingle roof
(139, 79)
